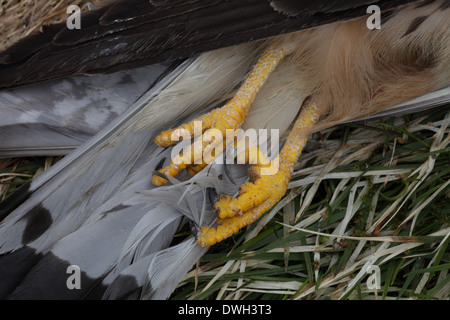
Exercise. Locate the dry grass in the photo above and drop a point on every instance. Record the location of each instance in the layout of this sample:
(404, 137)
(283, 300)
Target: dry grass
(15, 172)
(362, 195)
(19, 18)
(365, 196)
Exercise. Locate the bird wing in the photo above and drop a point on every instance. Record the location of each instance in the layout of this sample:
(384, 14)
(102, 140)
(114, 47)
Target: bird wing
(55, 117)
(52, 119)
(97, 208)
(427, 102)
(127, 34)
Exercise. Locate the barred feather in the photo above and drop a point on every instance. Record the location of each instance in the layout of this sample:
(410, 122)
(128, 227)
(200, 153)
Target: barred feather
(96, 208)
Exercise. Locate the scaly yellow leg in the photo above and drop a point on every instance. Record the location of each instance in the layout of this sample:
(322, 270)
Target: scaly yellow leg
(264, 191)
(230, 116)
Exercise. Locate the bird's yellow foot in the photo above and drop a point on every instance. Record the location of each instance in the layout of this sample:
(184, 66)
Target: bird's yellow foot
(212, 128)
(266, 187)
(269, 178)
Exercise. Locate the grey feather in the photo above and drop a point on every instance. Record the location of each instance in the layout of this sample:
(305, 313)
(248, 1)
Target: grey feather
(102, 191)
(426, 102)
(101, 210)
(55, 117)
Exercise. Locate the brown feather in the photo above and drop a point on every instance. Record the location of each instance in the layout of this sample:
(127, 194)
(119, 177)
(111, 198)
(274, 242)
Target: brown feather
(352, 71)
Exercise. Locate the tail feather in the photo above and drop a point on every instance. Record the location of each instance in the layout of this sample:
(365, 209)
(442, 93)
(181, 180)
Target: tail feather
(101, 211)
(55, 117)
(97, 209)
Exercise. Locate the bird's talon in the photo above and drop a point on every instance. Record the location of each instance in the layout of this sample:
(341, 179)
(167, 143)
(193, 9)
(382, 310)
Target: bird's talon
(214, 124)
(264, 191)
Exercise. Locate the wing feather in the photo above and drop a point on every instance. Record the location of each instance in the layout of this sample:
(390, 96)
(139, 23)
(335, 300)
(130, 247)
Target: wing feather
(127, 34)
(96, 208)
